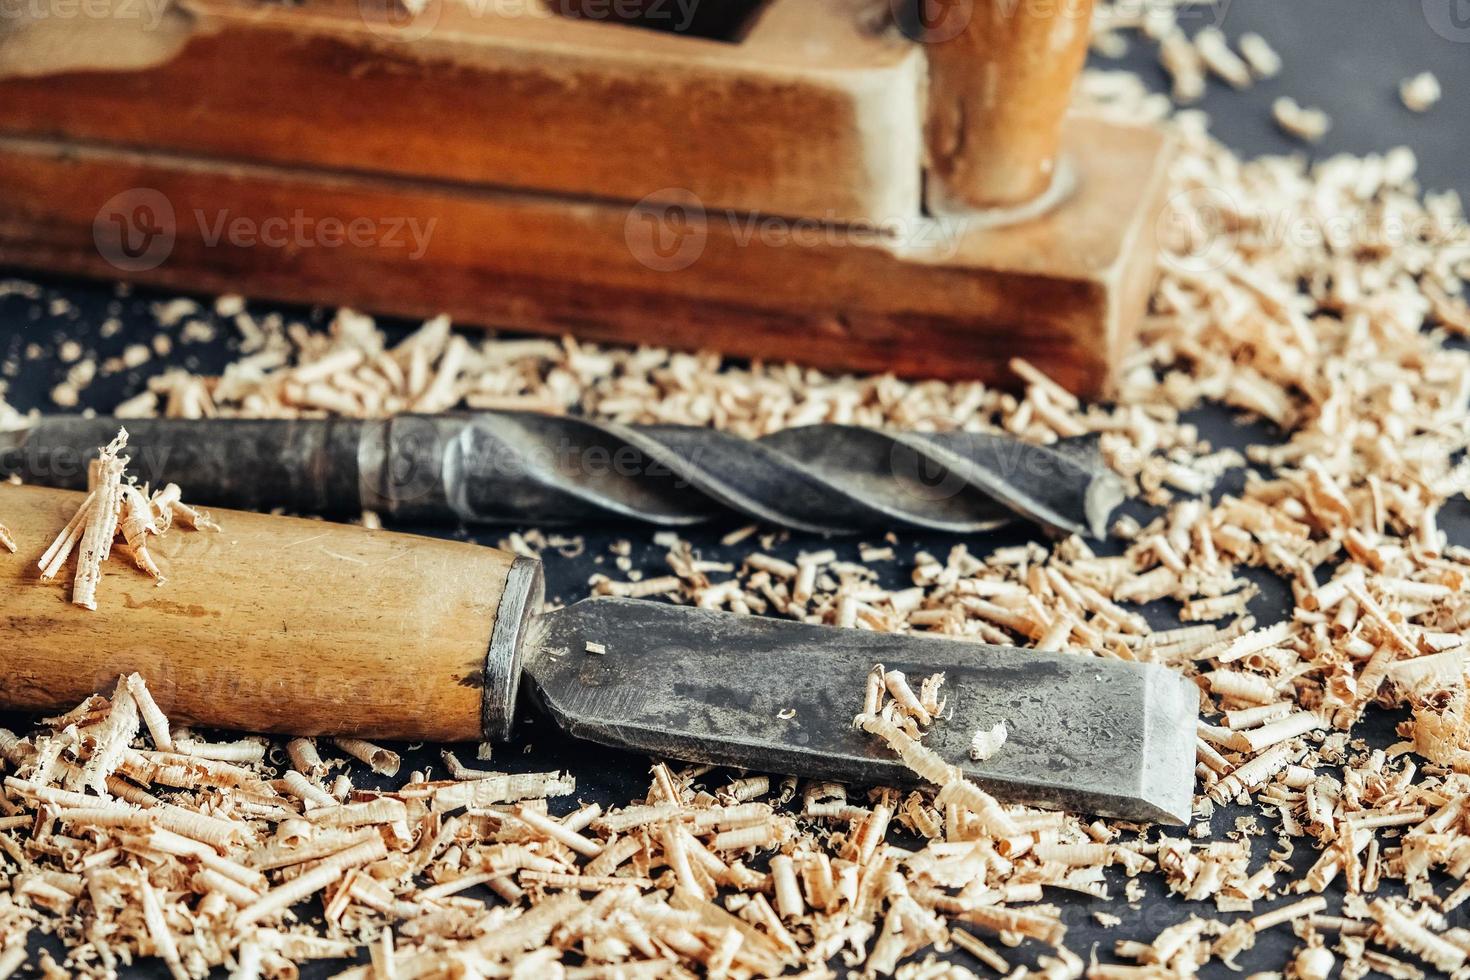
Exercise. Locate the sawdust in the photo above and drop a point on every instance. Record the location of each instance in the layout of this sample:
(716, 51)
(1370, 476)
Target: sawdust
(1305, 123)
(1420, 93)
(1319, 300)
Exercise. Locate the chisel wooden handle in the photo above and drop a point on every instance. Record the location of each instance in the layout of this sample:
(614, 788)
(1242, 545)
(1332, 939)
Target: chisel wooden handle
(274, 624)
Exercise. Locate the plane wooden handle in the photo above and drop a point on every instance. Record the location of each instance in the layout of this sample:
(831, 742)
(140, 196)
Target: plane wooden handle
(274, 624)
(1001, 74)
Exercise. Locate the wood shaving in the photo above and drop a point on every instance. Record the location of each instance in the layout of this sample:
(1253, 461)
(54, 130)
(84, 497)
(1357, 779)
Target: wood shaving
(1257, 51)
(986, 742)
(1335, 336)
(114, 509)
(1296, 120)
(1214, 51)
(1420, 93)
(1186, 69)
(98, 522)
(382, 761)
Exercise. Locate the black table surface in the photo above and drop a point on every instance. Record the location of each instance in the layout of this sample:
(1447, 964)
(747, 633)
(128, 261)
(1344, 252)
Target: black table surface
(1345, 56)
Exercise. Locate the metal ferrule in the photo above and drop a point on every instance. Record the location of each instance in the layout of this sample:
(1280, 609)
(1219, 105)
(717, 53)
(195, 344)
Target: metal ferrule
(525, 591)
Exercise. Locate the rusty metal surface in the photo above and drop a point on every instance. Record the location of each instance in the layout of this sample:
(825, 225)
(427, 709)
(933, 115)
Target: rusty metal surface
(515, 467)
(1086, 734)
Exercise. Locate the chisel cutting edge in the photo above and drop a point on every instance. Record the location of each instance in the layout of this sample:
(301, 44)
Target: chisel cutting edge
(303, 627)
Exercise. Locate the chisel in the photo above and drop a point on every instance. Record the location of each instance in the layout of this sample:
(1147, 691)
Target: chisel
(521, 467)
(278, 624)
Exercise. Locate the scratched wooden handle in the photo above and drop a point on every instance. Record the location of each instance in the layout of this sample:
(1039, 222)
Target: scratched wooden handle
(274, 624)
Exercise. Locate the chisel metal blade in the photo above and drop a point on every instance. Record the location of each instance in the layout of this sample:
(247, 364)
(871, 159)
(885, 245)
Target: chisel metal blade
(1096, 736)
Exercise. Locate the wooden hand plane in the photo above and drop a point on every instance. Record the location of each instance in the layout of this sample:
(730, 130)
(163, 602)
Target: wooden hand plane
(891, 186)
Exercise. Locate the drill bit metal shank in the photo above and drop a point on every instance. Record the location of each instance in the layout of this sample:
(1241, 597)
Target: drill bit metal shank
(511, 467)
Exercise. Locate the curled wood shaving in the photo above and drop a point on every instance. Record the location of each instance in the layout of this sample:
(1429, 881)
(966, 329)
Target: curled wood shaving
(1420, 93)
(987, 741)
(1257, 51)
(99, 522)
(111, 509)
(1305, 123)
(380, 760)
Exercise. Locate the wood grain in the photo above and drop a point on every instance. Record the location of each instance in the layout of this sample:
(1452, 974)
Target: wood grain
(808, 116)
(272, 624)
(1000, 84)
(1065, 290)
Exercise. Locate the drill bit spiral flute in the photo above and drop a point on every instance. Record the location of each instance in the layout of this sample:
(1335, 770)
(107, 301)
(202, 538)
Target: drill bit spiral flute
(510, 467)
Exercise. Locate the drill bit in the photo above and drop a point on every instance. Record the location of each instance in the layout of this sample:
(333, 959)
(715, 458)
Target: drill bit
(525, 468)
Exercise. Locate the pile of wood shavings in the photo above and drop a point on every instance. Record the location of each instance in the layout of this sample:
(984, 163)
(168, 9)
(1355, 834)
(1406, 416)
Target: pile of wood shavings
(114, 509)
(1318, 300)
(137, 839)
(1189, 62)
(1353, 370)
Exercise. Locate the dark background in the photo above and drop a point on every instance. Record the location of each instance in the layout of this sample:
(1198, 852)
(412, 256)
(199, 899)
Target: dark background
(1344, 56)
